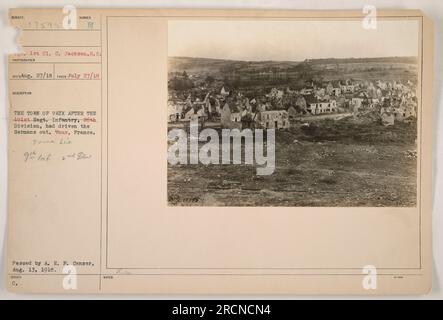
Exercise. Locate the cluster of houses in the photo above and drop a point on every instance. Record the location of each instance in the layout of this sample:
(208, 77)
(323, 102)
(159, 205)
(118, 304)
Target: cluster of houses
(280, 108)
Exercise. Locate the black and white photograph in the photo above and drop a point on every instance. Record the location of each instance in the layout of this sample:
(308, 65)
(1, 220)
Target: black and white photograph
(343, 101)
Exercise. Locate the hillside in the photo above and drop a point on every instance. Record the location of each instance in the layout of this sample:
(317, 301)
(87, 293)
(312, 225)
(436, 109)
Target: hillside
(383, 68)
(218, 67)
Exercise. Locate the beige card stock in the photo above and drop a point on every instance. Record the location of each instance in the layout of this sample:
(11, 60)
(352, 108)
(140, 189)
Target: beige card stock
(95, 206)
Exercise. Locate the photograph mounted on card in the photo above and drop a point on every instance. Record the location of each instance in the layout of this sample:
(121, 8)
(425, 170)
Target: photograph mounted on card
(220, 151)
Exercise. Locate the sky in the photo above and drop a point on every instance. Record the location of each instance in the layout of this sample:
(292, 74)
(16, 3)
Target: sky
(291, 40)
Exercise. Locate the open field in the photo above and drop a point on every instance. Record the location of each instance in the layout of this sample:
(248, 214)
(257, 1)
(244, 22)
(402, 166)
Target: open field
(349, 162)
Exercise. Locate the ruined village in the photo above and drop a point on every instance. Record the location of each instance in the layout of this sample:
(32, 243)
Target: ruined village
(341, 126)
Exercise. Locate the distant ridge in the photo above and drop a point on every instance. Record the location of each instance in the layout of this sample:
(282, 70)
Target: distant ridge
(398, 59)
(408, 59)
(387, 68)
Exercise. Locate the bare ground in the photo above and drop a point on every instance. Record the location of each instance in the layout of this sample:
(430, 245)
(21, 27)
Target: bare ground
(335, 163)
